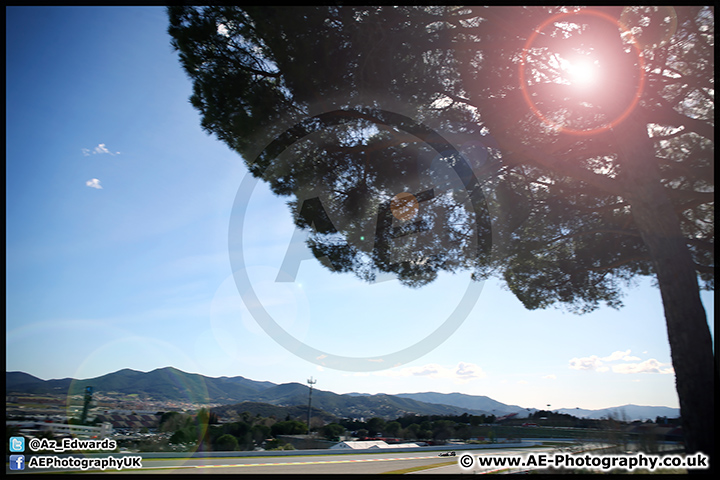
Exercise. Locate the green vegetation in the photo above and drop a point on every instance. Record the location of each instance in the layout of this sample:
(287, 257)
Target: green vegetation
(483, 429)
(204, 432)
(277, 444)
(227, 443)
(332, 431)
(288, 427)
(182, 432)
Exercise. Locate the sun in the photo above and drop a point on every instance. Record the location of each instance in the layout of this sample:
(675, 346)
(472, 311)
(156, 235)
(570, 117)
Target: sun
(580, 72)
(567, 84)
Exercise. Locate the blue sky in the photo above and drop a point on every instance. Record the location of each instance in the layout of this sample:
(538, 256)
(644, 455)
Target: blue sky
(118, 209)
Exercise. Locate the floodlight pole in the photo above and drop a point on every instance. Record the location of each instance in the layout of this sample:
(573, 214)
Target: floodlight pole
(310, 382)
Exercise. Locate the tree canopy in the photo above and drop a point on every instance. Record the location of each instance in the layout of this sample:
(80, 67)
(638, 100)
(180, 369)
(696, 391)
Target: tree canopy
(589, 133)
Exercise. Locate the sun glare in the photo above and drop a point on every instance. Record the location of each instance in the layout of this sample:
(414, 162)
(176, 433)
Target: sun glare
(580, 72)
(583, 65)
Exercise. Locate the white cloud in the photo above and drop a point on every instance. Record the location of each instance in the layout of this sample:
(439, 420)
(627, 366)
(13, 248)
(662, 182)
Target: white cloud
(586, 363)
(648, 366)
(619, 356)
(549, 377)
(461, 373)
(100, 149)
(468, 371)
(598, 364)
(94, 183)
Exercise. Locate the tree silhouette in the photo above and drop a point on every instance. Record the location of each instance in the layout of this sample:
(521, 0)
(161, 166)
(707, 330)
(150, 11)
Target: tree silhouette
(578, 189)
(350, 184)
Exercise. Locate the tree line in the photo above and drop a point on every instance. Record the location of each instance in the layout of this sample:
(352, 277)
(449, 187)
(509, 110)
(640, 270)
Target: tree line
(205, 432)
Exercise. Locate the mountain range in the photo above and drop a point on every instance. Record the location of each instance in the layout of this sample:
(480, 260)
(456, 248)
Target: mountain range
(171, 384)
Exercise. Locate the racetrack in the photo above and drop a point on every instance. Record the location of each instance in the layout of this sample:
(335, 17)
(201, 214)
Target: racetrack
(333, 464)
(330, 464)
(364, 463)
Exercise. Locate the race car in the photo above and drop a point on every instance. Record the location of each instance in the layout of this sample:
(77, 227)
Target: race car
(447, 454)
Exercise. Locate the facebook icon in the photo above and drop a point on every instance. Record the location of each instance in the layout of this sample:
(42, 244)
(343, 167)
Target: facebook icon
(17, 462)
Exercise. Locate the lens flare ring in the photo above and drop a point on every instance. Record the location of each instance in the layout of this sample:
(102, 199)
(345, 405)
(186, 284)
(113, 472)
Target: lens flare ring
(554, 125)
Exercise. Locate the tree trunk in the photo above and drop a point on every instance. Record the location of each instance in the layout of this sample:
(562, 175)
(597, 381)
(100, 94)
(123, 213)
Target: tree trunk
(687, 327)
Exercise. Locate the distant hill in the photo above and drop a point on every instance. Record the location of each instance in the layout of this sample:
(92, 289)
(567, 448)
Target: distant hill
(20, 382)
(488, 405)
(350, 406)
(478, 403)
(296, 412)
(162, 384)
(171, 384)
(625, 412)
